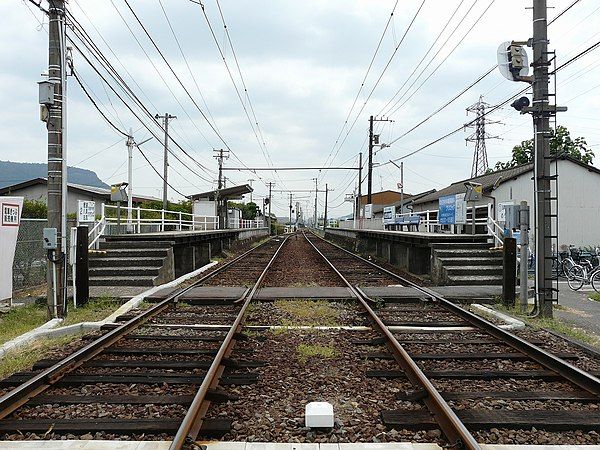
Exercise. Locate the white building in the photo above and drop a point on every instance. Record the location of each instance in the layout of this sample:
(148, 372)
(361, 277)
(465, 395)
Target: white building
(578, 199)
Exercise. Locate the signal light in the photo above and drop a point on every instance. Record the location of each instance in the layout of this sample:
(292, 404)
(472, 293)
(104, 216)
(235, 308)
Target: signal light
(520, 103)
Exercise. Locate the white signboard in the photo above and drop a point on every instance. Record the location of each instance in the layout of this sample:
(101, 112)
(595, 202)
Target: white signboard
(389, 215)
(369, 211)
(501, 214)
(86, 211)
(460, 212)
(10, 219)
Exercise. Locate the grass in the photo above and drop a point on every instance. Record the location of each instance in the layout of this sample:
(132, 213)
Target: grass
(22, 319)
(553, 324)
(20, 359)
(308, 313)
(306, 351)
(94, 310)
(595, 296)
(259, 242)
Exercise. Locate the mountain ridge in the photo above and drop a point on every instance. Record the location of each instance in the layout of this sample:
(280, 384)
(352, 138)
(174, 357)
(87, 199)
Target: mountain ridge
(17, 172)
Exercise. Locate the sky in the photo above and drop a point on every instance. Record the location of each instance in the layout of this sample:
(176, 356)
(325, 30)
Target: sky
(303, 65)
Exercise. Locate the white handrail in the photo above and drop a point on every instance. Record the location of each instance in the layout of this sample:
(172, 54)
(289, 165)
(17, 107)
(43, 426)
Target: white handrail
(179, 222)
(495, 230)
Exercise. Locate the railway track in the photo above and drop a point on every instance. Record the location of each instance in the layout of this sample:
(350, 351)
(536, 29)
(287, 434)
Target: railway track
(153, 374)
(471, 363)
(172, 370)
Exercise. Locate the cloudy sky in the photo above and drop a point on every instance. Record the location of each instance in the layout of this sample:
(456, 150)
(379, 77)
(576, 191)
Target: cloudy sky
(302, 63)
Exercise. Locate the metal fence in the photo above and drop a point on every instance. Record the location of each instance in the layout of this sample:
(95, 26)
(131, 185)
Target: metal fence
(29, 268)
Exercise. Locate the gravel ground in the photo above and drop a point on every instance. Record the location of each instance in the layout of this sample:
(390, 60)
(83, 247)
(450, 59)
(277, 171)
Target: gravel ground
(273, 409)
(521, 405)
(510, 384)
(298, 264)
(100, 410)
(536, 437)
(305, 313)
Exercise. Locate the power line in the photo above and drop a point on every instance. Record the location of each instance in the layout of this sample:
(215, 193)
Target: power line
(408, 28)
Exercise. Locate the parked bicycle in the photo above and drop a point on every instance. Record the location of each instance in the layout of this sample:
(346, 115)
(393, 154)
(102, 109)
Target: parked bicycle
(584, 273)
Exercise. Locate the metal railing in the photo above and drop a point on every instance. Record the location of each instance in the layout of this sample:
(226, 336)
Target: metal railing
(496, 230)
(125, 220)
(429, 222)
(245, 223)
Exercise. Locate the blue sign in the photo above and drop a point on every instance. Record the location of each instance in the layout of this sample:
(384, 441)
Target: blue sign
(447, 210)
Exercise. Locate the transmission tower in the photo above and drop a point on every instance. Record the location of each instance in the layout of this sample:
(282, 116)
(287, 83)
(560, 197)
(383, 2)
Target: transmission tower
(480, 159)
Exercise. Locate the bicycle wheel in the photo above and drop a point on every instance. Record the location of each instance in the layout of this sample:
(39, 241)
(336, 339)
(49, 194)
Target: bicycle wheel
(575, 277)
(566, 266)
(596, 281)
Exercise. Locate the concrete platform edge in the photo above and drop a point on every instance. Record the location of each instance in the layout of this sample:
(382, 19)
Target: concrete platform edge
(49, 328)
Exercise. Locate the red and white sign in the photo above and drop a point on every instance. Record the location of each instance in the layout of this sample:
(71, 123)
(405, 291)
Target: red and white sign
(10, 219)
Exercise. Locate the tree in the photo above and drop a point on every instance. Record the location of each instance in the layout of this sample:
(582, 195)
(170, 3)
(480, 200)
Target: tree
(34, 209)
(561, 144)
(248, 209)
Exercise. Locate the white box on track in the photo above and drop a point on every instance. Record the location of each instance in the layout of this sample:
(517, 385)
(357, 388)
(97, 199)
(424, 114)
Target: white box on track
(318, 415)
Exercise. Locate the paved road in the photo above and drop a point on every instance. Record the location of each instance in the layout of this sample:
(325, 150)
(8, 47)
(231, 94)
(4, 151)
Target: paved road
(578, 310)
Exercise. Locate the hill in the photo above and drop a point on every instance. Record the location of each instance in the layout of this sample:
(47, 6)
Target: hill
(17, 172)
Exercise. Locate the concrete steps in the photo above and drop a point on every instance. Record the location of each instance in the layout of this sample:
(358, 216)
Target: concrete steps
(476, 269)
(131, 263)
(468, 263)
(125, 262)
(475, 280)
(134, 244)
(122, 281)
(129, 271)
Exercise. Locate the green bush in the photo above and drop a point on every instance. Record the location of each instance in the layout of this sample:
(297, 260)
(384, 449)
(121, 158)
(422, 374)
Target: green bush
(34, 209)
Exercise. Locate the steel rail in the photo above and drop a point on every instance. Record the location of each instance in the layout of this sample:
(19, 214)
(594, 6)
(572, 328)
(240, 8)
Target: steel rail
(455, 431)
(192, 422)
(21, 394)
(581, 378)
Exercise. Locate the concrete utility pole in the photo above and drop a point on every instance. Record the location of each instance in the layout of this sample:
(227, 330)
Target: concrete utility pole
(220, 156)
(269, 217)
(359, 185)
(290, 208)
(250, 180)
(166, 119)
(373, 140)
(325, 215)
(316, 193)
(401, 167)
(129, 143)
(56, 158)
(524, 236)
(370, 168)
(542, 111)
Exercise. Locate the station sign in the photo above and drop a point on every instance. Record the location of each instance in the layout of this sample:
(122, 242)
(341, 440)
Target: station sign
(86, 211)
(369, 211)
(10, 219)
(389, 215)
(452, 210)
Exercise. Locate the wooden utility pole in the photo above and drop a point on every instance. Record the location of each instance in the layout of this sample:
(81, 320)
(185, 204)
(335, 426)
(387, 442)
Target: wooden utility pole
(166, 119)
(56, 159)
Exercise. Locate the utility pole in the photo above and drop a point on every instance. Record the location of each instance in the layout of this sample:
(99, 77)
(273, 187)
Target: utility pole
(166, 119)
(325, 215)
(316, 193)
(250, 180)
(542, 111)
(370, 168)
(129, 143)
(290, 209)
(373, 140)
(220, 155)
(55, 125)
(401, 167)
(357, 210)
(269, 217)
